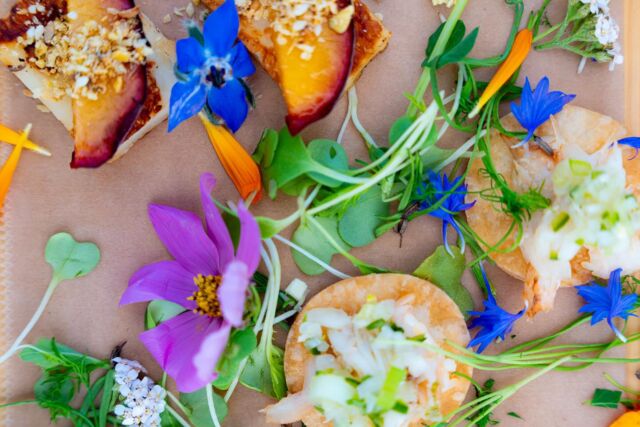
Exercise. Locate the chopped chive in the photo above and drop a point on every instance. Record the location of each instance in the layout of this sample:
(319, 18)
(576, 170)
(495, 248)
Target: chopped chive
(553, 256)
(401, 407)
(315, 351)
(376, 324)
(560, 221)
(396, 328)
(359, 403)
(419, 338)
(387, 395)
(354, 382)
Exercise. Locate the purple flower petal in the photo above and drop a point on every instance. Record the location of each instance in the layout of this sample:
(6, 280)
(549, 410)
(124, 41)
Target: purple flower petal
(221, 29)
(206, 359)
(185, 239)
(216, 227)
(233, 292)
(249, 245)
(176, 342)
(165, 280)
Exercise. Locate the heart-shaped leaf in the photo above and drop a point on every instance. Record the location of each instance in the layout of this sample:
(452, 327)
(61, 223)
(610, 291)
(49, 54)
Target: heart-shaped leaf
(159, 311)
(70, 258)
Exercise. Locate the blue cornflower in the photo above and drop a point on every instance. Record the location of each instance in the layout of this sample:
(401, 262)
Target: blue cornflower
(494, 322)
(440, 188)
(536, 107)
(608, 302)
(633, 142)
(213, 70)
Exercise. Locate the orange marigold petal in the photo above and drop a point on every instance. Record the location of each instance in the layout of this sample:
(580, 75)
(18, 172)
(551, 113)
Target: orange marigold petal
(629, 419)
(519, 52)
(239, 165)
(9, 167)
(12, 137)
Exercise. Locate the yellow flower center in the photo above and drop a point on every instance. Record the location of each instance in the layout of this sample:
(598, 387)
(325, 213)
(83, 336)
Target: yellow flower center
(206, 297)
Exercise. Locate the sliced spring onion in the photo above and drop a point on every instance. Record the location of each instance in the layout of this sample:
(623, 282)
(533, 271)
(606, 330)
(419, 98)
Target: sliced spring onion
(389, 390)
(580, 167)
(376, 324)
(560, 221)
(401, 407)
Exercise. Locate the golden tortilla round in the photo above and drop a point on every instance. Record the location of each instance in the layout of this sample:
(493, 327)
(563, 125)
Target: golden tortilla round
(590, 131)
(350, 295)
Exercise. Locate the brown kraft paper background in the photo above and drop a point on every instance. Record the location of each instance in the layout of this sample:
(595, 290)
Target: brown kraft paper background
(109, 205)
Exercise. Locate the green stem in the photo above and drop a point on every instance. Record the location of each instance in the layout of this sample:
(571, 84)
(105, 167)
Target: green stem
(546, 33)
(177, 402)
(537, 343)
(438, 49)
(21, 403)
(34, 319)
(177, 417)
(212, 406)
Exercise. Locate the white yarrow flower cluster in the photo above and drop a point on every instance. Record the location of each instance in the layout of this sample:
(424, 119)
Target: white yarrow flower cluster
(141, 400)
(607, 30)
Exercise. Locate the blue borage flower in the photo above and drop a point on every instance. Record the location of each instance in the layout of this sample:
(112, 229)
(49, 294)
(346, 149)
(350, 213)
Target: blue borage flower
(608, 302)
(633, 142)
(537, 106)
(440, 188)
(494, 322)
(213, 69)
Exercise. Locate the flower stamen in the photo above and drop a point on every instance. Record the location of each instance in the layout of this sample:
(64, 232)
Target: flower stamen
(206, 297)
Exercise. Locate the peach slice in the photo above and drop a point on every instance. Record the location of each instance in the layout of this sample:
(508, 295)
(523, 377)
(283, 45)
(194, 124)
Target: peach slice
(312, 87)
(100, 126)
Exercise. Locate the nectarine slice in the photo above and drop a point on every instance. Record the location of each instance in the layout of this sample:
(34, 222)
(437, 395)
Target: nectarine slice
(312, 86)
(99, 126)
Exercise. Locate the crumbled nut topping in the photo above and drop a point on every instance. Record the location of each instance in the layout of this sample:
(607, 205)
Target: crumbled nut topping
(302, 20)
(90, 58)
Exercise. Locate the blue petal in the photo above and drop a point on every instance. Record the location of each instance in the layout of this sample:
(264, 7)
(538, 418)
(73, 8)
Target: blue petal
(241, 61)
(633, 142)
(221, 29)
(190, 55)
(537, 106)
(230, 103)
(187, 99)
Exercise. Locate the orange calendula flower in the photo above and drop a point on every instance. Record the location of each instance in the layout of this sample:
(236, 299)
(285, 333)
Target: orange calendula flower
(519, 51)
(9, 168)
(238, 164)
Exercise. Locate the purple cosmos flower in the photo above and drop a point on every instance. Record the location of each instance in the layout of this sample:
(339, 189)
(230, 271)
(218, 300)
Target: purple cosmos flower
(206, 277)
(536, 107)
(608, 302)
(633, 142)
(494, 322)
(437, 189)
(213, 71)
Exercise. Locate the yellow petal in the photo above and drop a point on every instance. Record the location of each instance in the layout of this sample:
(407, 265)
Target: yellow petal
(519, 52)
(12, 137)
(238, 164)
(9, 167)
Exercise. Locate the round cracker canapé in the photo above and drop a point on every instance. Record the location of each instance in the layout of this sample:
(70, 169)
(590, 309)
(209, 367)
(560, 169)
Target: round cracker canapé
(432, 307)
(526, 168)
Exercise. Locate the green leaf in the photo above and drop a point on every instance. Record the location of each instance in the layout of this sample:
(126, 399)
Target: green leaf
(159, 311)
(54, 386)
(276, 368)
(604, 398)
(460, 51)
(107, 396)
(329, 154)
(198, 407)
(515, 415)
(457, 34)
(310, 238)
(241, 344)
(359, 222)
(69, 258)
(445, 271)
(50, 354)
(168, 420)
(398, 128)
